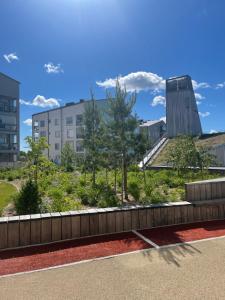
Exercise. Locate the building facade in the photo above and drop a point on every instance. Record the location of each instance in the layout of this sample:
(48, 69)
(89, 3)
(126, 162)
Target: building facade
(154, 130)
(181, 109)
(62, 125)
(9, 121)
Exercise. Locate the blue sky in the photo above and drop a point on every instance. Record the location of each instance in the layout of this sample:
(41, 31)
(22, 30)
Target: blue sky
(58, 49)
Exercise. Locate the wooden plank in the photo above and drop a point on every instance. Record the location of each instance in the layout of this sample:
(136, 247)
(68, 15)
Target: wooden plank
(223, 189)
(135, 221)
(204, 215)
(184, 214)
(143, 218)
(35, 227)
(127, 222)
(25, 230)
(215, 212)
(111, 222)
(119, 221)
(66, 227)
(208, 191)
(157, 216)
(3, 233)
(46, 228)
(56, 227)
(13, 232)
(102, 223)
(202, 188)
(190, 213)
(197, 214)
(75, 222)
(177, 215)
(85, 225)
(94, 224)
(197, 193)
(171, 215)
(149, 217)
(164, 215)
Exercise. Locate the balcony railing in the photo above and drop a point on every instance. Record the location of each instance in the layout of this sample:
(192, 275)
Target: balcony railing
(8, 127)
(8, 109)
(12, 146)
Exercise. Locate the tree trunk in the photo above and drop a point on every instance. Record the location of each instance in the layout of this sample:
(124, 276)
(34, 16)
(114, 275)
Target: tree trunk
(115, 181)
(125, 177)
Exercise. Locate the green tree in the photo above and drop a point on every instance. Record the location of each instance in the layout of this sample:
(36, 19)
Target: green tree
(28, 201)
(35, 154)
(92, 137)
(123, 129)
(204, 159)
(68, 157)
(182, 154)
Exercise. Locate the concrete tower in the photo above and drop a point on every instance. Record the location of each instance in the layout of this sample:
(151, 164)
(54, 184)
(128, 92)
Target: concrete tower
(182, 116)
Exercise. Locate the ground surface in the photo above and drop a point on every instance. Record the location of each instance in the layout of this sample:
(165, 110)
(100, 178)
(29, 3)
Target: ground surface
(191, 270)
(7, 190)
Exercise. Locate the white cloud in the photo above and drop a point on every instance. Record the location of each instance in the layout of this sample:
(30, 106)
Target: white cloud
(220, 85)
(199, 96)
(10, 57)
(213, 131)
(51, 68)
(41, 101)
(200, 85)
(163, 118)
(159, 100)
(138, 81)
(28, 122)
(204, 114)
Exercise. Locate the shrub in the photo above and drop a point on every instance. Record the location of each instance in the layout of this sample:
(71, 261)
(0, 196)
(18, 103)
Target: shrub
(28, 200)
(134, 190)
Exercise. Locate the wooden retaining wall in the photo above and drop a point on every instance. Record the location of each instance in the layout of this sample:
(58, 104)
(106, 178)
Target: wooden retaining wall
(205, 190)
(28, 230)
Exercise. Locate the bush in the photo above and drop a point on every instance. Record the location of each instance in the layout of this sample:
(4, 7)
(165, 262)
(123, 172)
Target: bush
(134, 190)
(28, 200)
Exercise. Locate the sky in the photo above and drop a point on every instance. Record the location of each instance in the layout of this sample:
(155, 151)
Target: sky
(59, 49)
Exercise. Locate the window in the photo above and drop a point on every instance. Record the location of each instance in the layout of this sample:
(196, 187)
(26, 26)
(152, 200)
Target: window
(79, 146)
(80, 132)
(42, 123)
(79, 120)
(56, 122)
(69, 133)
(35, 123)
(69, 120)
(57, 134)
(56, 146)
(42, 133)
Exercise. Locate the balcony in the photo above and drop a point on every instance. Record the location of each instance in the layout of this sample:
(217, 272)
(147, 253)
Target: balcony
(8, 127)
(8, 109)
(9, 147)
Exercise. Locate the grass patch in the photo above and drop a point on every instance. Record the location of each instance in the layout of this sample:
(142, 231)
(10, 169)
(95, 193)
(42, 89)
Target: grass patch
(7, 190)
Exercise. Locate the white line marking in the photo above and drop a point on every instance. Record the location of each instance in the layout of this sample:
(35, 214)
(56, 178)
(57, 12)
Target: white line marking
(146, 239)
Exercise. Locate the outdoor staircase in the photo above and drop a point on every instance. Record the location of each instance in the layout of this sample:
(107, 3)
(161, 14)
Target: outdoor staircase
(153, 152)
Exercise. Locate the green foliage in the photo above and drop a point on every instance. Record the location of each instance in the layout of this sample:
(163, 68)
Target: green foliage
(134, 189)
(93, 131)
(7, 191)
(28, 200)
(68, 157)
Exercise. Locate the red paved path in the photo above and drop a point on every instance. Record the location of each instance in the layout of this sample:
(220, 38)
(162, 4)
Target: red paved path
(39, 257)
(185, 233)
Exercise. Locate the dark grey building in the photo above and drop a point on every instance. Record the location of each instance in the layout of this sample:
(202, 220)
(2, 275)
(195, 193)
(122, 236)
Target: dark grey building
(9, 120)
(182, 116)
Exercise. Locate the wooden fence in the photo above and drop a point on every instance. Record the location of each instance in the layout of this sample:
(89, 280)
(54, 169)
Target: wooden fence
(20, 231)
(205, 190)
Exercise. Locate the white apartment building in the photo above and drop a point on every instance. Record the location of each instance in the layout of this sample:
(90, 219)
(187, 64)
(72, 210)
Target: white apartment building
(62, 125)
